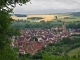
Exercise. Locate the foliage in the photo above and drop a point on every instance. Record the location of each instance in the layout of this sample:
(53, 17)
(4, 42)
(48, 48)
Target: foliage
(24, 56)
(76, 14)
(53, 57)
(6, 51)
(76, 35)
(35, 18)
(73, 52)
(43, 24)
(5, 5)
(35, 38)
(56, 17)
(20, 15)
(74, 46)
(5, 21)
(66, 40)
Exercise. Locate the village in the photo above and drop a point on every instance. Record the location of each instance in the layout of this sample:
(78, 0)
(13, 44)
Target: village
(31, 40)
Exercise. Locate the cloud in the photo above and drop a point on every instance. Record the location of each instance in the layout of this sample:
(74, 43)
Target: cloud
(48, 6)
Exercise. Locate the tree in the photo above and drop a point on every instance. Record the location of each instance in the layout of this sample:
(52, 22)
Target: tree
(35, 38)
(6, 51)
(66, 40)
(56, 17)
(10, 3)
(52, 57)
(8, 54)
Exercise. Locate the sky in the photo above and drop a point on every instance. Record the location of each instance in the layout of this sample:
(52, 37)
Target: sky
(48, 6)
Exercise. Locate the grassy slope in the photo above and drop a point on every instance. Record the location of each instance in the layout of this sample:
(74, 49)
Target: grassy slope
(74, 52)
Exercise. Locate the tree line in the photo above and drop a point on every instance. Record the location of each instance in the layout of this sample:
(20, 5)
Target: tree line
(43, 24)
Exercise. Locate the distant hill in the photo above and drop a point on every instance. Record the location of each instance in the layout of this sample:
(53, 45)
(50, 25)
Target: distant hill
(75, 13)
(20, 15)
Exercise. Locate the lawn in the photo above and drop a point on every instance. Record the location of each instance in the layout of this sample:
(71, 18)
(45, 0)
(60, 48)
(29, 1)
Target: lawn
(74, 52)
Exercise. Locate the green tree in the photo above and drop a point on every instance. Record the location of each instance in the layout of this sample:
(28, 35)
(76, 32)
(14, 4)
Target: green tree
(6, 51)
(56, 17)
(8, 54)
(66, 40)
(35, 38)
(12, 3)
(52, 57)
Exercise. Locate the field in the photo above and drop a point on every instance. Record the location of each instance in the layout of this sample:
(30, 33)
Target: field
(74, 52)
(48, 17)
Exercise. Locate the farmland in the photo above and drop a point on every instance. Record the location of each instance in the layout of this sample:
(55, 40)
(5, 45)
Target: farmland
(67, 17)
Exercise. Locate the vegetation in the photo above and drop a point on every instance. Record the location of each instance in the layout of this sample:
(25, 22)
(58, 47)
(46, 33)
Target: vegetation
(6, 51)
(35, 38)
(42, 24)
(76, 14)
(74, 52)
(20, 15)
(35, 18)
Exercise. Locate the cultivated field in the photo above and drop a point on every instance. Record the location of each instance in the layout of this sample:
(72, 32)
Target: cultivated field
(48, 17)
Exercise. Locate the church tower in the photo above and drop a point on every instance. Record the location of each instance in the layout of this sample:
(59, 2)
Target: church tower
(63, 26)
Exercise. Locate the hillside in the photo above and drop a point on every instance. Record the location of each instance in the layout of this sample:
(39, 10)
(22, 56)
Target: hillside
(74, 52)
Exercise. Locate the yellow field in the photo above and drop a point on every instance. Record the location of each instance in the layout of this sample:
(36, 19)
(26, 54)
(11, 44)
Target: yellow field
(46, 17)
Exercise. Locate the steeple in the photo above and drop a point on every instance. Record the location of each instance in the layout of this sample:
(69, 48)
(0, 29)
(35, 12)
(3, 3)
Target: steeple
(64, 26)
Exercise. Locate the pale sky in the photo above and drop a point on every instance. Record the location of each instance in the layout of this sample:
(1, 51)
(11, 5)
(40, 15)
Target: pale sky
(48, 6)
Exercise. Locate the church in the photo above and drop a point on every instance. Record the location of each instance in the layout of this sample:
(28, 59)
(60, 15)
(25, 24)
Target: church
(59, 28)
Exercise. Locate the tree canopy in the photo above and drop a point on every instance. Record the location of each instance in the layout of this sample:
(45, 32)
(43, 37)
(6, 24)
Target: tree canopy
(6, 32)
(6, 5)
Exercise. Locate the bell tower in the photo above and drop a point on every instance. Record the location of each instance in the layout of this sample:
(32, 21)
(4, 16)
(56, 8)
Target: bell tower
(63, 26)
